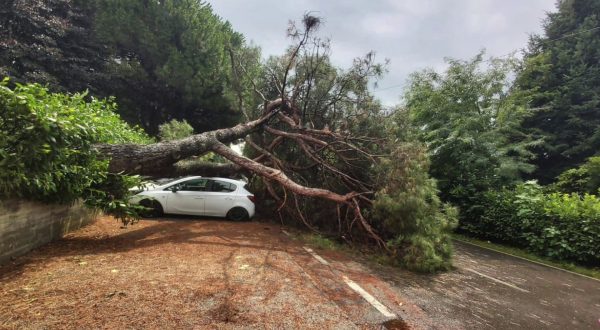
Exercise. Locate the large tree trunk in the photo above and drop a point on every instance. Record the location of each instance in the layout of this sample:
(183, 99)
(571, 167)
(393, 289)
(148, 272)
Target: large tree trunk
(158, 159)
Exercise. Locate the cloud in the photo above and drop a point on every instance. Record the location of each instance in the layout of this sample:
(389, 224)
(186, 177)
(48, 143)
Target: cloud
(413, 34)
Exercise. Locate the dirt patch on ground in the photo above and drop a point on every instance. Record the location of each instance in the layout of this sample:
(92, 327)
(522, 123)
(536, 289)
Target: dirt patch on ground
(193, 273)
(169, 274)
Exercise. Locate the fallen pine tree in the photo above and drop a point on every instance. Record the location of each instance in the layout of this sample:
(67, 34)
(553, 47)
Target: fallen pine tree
(319, 134)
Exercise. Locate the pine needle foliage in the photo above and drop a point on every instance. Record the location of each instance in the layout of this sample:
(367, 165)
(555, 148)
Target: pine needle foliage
(174, 130)
(411, 213)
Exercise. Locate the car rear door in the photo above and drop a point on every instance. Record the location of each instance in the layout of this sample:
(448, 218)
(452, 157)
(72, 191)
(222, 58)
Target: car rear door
(219, 198)
(187, 197)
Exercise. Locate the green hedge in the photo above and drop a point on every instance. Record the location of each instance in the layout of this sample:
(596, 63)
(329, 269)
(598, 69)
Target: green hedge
(557, 225)
(47, 148)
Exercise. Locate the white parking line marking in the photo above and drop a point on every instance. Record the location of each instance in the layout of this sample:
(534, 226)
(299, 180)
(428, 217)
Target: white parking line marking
(357, 288)
(318, 257)
(497, 280)
(369, 298)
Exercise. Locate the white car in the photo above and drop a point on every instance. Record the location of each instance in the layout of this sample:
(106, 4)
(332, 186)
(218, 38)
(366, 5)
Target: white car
(196, 195)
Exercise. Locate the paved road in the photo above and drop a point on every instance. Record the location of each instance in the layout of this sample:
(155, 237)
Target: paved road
(218, 274)
(491, 290)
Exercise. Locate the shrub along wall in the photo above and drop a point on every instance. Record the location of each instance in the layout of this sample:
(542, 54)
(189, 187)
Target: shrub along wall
(25, 225)
(557, 225)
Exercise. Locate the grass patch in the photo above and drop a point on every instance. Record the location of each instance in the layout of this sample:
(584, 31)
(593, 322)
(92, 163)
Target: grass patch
(591, 272)
(363, 253)
(321, 242)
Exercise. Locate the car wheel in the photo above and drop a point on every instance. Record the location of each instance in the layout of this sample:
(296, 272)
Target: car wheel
(237, 214)
(154, 209)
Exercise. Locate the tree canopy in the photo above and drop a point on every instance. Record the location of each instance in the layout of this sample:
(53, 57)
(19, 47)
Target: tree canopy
(162, 60)
(176, 55)
(468, 119)
(561, 77)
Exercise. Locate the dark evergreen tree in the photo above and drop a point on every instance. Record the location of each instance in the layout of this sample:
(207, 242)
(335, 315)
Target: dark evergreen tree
(163, 60)
(561, 76)
(179, 51)
(51, 42)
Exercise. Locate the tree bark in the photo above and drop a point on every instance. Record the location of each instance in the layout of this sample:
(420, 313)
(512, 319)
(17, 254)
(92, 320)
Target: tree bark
(279, 177)
(158, 158)
(204, 168)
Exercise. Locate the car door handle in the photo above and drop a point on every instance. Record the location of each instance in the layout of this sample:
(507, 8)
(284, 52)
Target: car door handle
(198, 197)
(229, 198)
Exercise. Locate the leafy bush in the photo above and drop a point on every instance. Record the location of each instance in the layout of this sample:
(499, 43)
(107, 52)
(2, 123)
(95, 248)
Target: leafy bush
(411, 213)
(174, 130)
(583, 179)
(570, 229)
(46, 144)
(111, 195)
(557, 225)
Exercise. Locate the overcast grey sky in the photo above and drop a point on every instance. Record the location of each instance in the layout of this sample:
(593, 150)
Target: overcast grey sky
(413, 34)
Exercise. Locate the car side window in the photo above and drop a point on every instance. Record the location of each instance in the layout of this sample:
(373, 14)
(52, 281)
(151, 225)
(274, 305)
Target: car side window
(221, 186)
(191, 185)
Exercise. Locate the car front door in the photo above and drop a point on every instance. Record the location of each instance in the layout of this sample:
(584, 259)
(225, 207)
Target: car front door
(187, 197)
(219, 198)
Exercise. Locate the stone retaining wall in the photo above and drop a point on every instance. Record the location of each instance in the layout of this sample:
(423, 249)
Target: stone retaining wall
(25, 225)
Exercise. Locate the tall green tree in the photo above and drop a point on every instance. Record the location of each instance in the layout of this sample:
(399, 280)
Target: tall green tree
(162, 60)
(176, 52)
(468, 120)
(53, 43)
(561, 76)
